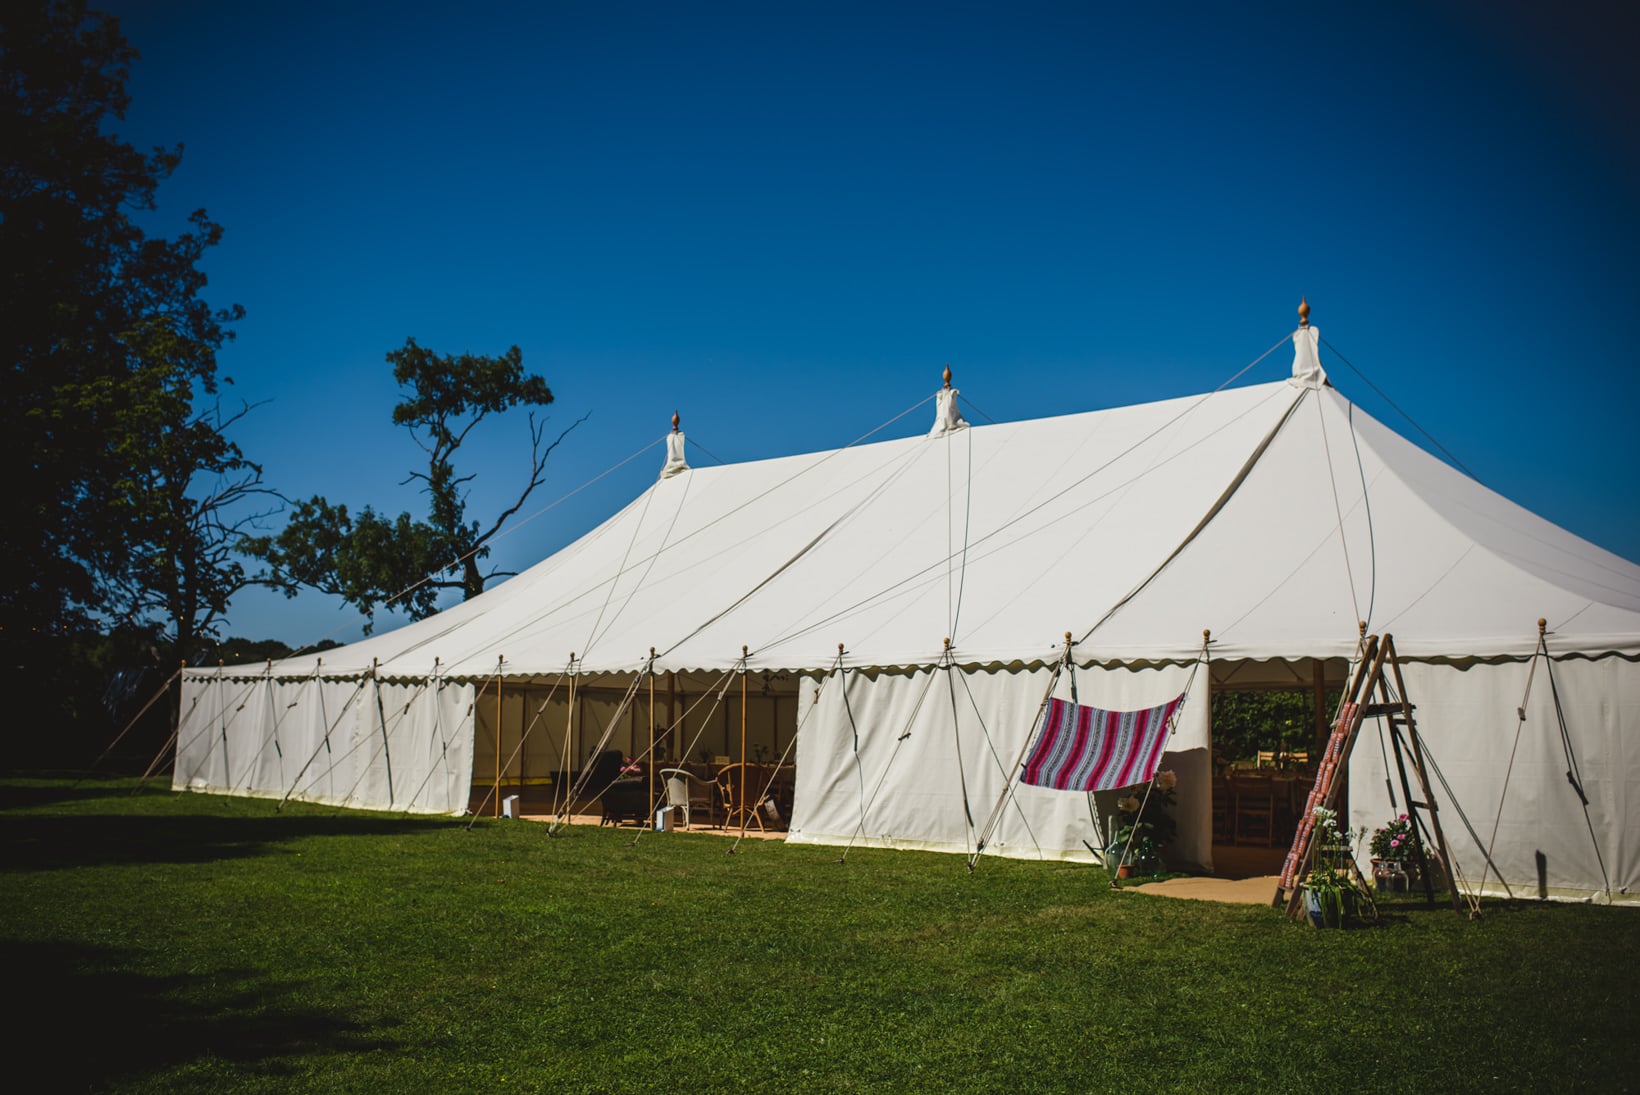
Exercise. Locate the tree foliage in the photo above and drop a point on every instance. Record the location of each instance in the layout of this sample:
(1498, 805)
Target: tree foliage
(1246, 722)
(121, 487)
(373, 561)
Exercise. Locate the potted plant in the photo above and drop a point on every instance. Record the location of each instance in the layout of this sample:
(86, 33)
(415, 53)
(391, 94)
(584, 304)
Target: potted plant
(1144, 827)
(1394, 859)
(1331, 894)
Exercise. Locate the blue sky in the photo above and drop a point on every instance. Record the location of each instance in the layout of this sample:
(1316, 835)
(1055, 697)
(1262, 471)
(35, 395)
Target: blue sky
(782, 220)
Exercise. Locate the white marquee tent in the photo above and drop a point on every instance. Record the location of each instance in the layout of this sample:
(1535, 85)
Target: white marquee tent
(1275, 516)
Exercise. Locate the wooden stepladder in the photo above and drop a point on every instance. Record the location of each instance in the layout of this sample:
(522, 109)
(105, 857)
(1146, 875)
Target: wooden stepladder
(1358, 706)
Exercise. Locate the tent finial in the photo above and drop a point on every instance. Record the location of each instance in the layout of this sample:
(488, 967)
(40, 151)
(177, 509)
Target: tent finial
(676, 421)
(1362, 626)
(1207, 635)
(1303, 311)
(947, 374)
(1543, 625)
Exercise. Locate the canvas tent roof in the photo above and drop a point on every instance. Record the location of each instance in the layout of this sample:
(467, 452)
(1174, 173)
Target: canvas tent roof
(1276, 515)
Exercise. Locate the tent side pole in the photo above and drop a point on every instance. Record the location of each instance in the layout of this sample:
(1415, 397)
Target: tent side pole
(651, 765)
(743, 653)
(498, 735)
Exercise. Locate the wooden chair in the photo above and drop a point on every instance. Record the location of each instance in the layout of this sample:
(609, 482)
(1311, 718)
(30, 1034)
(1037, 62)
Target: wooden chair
(1223, 812)
(1255, 812)
(748, 810)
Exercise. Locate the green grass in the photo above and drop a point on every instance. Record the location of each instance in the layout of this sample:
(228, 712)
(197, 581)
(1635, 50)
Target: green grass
(157, 942)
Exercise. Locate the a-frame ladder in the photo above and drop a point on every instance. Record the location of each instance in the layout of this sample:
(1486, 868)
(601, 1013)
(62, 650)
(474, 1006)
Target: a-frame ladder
(1358, 706)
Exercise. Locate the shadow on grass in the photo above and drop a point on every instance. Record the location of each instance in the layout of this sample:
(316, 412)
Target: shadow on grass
(109, 1024)
(32, 793)
(38, 842)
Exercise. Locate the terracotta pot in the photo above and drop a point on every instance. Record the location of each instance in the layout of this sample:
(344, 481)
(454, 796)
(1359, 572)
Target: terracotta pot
(1125, 871)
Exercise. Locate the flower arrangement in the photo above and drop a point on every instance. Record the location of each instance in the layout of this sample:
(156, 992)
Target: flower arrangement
(1144, 823)
(1332, 892)
(631, 769)
(1393, 842)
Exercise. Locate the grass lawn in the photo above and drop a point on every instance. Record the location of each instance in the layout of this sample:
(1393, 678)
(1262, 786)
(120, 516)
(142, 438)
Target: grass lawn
(186, 943)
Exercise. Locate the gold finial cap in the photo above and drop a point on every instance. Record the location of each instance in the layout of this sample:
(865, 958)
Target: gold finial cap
(1362, 625)
(676, 421)
(1303, 311)
(947, 374)
(1543, 625)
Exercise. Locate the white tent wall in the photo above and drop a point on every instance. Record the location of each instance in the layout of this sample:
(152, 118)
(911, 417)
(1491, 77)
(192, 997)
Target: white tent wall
(1467, 716)
(909, 792)
(389, 745)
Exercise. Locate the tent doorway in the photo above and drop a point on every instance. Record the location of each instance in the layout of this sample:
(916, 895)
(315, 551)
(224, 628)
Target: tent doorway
(1269, 727)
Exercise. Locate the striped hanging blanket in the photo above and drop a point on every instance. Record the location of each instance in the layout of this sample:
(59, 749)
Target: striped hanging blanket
(1085, 749)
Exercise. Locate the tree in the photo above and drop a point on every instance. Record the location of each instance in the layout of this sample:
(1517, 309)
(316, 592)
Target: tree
(372, 561)
(182, 499)
(106, 345)
(79, 283)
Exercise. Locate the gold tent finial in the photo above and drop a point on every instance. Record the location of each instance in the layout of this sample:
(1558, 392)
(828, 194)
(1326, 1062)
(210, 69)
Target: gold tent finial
(947, 374)
(676, 421)
(1303, 311)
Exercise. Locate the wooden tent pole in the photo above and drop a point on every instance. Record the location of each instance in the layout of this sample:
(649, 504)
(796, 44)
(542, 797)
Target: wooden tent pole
(651, 765)
(498, 660)
(569, 733)
(743, 655)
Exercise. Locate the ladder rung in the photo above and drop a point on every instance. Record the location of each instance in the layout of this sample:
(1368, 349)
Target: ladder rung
(1375, 710)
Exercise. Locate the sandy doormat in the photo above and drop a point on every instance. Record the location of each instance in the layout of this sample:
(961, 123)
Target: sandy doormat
(1234, 891)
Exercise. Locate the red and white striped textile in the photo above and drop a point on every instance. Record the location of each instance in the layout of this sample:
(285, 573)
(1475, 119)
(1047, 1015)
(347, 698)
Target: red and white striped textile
(1086, 749)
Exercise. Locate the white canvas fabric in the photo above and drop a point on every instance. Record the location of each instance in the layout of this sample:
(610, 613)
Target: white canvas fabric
(1509, 778)
(926, 763)
(361, 743)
